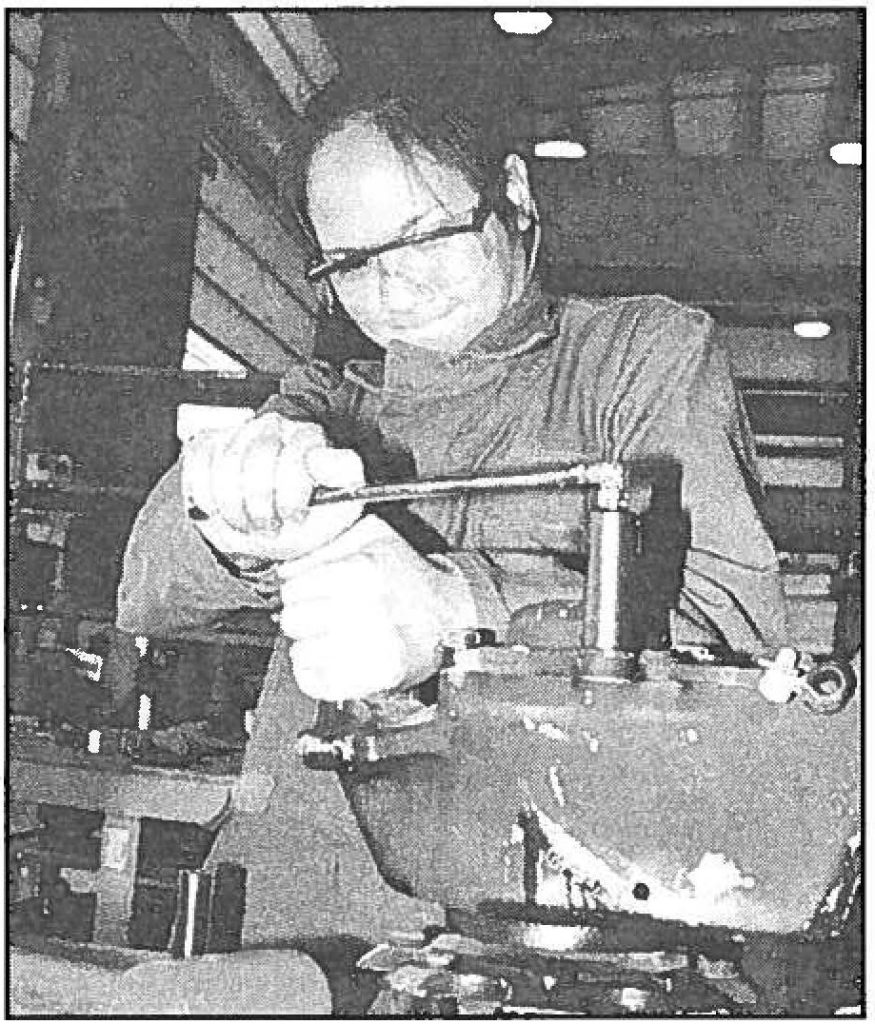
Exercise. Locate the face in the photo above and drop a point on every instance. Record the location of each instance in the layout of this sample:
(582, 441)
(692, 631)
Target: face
(436, 294)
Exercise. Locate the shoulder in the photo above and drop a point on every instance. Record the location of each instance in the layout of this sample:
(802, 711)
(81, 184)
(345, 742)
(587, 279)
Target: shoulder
(609, 335)
(647, 311)
(643, 324)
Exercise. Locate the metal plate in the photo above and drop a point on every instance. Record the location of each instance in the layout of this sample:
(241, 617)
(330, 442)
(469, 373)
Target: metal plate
(702, 804)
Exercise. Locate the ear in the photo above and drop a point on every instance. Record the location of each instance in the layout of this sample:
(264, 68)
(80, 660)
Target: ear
(518, 190)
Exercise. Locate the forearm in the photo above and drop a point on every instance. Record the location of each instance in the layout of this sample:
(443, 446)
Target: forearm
(171, 581)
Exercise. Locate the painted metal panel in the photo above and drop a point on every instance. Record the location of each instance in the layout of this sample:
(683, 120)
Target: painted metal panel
(302, 34)
(225, 196)
(786, 215)
(217, 315)
(259, 31)
(236, 270)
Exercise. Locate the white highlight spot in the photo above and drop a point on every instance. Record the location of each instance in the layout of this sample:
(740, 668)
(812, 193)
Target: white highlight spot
(551, 937)
(560, 149)
(556, 785)
(523, 23)
(816, 329)
(847, 153)
(552, 732)
(691, 736)
(94, 741)
(634, 999)
(144, 712)
(716, 876)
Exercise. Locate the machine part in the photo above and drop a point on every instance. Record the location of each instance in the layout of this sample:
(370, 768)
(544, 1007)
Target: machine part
(828, 687)
(842, 900)
(635, 549)
(745, 760)
(359, 734)
(782, 676)
(468, 639)
(636, 542)
(599, 474)
(823, 688)
(551, 625)
(462, 976)
(380, 729)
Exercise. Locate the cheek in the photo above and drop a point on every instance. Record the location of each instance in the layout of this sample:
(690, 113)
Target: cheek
(364, 303)
(471, 281)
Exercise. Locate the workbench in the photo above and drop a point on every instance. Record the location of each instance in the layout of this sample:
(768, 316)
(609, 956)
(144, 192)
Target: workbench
(125, 793)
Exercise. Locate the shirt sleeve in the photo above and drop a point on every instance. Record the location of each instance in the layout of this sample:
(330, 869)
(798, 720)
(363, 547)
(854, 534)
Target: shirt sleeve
(171, 582)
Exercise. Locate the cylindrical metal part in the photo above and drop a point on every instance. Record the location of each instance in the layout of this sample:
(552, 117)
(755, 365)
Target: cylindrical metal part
(638, 537)
(580, 475)
(609, 581)
(192, 915)
(605, 650)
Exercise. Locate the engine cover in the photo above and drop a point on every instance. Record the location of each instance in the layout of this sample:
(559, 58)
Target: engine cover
(697, 802)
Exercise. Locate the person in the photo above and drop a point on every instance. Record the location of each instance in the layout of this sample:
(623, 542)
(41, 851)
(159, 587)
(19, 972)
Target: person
(432, 250)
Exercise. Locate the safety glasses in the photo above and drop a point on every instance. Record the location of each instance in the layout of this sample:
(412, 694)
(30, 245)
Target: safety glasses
(342, 260)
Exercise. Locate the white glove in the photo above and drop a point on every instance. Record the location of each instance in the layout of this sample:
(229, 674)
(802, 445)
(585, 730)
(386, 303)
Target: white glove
(367, 613)
(247, 487)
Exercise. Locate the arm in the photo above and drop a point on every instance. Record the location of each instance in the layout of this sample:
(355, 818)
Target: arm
(171, 581)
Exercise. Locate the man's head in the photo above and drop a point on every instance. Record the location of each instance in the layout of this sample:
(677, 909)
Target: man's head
(423, 243)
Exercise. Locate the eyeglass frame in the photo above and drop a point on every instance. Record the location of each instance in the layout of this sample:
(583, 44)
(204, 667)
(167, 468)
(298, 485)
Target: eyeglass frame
(354, 259)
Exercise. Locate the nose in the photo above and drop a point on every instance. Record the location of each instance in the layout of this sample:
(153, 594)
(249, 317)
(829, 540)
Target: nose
(399, 288)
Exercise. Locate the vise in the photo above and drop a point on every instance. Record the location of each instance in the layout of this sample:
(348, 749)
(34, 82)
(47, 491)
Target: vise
(659, 785)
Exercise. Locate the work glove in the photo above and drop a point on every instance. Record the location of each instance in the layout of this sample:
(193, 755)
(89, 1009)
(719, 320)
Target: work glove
(247, 488)
(367, 613)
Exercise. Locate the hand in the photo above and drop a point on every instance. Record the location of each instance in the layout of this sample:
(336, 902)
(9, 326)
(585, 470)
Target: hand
(247, 488)
(367, 613)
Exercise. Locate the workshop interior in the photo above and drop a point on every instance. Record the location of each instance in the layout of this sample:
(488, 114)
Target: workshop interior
(156, 260)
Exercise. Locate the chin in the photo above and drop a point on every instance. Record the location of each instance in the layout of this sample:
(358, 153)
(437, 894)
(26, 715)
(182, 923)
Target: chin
(449, 335)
